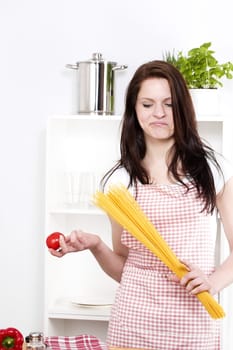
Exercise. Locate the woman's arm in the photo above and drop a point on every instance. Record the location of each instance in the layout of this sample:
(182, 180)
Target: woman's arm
(195, 281)
(223, 275)
(111, 261)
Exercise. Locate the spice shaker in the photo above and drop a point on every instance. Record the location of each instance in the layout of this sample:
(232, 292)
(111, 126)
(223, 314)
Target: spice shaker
(35, 341)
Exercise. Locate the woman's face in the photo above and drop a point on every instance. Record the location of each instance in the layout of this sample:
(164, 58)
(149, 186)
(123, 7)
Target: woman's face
(154, 109)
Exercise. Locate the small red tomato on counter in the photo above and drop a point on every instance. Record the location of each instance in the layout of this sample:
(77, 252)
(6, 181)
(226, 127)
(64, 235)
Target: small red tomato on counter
(52, 240)
(11, 339)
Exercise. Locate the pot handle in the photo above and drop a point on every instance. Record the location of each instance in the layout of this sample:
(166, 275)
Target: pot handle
(122, 67)
(72, 66)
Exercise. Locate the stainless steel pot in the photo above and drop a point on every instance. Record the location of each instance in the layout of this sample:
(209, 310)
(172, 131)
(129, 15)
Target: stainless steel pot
(96, 84)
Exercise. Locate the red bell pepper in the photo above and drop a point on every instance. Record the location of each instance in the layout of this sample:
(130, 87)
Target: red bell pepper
(11, 339)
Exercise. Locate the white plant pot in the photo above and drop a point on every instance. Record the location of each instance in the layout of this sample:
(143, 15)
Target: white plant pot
(206, 101)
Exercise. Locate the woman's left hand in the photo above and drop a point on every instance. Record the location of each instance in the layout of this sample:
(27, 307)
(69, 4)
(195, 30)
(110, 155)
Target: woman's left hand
(195, 280)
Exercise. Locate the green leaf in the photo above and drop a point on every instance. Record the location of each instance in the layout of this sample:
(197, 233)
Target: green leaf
(199, 67)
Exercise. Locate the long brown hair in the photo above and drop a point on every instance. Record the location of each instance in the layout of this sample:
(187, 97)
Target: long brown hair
(188, 148)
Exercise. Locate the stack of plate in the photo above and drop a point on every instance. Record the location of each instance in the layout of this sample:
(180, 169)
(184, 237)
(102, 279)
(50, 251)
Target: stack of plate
(92, 301)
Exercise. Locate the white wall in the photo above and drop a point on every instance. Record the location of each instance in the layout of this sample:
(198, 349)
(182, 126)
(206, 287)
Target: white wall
(37, 39)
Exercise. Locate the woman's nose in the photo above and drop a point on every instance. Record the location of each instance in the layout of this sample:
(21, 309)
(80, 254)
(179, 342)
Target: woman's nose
(158, 110)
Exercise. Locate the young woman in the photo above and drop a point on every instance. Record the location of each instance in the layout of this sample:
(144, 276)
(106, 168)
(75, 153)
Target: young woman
(180, 183)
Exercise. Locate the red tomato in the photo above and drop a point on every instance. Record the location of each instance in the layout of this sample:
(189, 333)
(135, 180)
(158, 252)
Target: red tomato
(52, 240)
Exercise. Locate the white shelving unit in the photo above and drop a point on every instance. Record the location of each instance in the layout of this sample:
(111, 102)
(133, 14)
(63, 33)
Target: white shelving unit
(80, 148)
(89, 145)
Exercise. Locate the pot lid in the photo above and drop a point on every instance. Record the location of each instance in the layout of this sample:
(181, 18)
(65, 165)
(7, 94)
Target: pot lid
(97, 57)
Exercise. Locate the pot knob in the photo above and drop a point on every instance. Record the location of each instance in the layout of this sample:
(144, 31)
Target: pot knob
(97, 56)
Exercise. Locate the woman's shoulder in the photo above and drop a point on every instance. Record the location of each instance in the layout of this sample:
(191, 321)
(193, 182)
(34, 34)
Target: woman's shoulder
(119, 177)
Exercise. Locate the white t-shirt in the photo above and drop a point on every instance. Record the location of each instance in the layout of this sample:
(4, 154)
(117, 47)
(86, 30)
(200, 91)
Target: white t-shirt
(121, 176)
(227, 172)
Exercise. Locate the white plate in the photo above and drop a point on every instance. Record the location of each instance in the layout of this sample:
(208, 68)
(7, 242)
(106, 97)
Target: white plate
(90, 301)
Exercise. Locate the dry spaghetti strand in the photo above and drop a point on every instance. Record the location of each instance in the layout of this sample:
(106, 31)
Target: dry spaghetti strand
(122, 207)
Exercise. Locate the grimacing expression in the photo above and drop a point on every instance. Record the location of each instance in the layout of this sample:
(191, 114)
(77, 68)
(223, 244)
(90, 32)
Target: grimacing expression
(154, 109)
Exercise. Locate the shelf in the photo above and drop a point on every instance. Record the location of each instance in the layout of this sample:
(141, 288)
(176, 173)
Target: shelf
(208, 118)
(91, 315)
(65, 310)
(86, 117)
(73, 211)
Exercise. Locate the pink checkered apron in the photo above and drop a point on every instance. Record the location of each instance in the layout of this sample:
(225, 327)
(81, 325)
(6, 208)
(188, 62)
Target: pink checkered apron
(150, 311)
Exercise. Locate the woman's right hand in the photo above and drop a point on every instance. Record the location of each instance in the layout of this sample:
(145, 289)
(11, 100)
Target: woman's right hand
(75, 242)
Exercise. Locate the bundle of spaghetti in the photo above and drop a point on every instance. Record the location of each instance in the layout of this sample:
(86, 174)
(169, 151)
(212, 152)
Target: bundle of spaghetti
(123, 208)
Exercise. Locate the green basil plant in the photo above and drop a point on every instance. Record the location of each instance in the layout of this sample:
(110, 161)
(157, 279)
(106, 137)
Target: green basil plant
(200, 68)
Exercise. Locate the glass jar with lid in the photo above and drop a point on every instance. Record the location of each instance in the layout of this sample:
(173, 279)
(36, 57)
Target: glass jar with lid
(35, 341)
